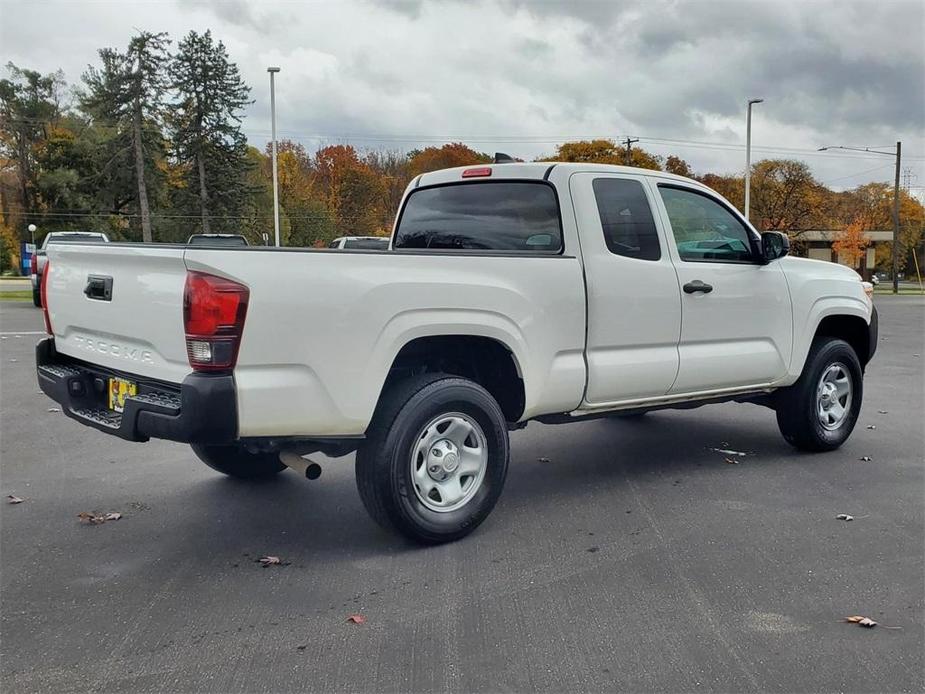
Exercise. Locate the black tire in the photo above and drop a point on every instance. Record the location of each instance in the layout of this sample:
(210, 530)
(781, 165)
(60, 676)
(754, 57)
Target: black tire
(383, 462)
(797, 405)
(37, 297)
(236, 461)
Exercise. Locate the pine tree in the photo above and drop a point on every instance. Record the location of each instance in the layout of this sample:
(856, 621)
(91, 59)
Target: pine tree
(207, 126)
(127, 94)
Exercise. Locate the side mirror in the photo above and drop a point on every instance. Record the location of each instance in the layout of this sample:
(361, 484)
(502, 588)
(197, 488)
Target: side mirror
(774, 245)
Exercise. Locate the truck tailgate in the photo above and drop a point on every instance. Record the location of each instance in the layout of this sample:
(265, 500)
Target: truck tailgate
(120, 307)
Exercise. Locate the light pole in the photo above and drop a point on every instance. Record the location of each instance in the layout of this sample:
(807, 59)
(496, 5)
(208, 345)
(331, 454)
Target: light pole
(32, 229)
(273, 71)
(748, 153)
(895, 251)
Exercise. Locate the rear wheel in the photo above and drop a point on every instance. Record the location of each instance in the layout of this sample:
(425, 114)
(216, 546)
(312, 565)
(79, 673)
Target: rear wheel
(819, 411)
(37, 297)
(435, 458)
(236, 461)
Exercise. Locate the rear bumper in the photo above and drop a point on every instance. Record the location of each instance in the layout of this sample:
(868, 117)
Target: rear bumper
(202, 409)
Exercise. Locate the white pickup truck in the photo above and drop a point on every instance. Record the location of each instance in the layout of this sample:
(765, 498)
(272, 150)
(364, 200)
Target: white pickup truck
(510, 292)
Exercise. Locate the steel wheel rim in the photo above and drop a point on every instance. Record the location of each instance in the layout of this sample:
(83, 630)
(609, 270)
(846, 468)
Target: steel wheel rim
(449, 459)
(833, 396)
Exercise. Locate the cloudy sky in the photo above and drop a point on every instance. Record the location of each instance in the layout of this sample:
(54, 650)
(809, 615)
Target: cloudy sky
(519, 76)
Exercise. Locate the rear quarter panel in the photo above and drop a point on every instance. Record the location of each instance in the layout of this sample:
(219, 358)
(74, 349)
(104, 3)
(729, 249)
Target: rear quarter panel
(323, 329)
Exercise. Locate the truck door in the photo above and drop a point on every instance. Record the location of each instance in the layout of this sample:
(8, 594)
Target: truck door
(634, 303)
(736, 312)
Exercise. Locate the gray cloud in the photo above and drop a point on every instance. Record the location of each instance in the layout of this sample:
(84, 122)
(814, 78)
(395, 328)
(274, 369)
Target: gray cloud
(404, 74)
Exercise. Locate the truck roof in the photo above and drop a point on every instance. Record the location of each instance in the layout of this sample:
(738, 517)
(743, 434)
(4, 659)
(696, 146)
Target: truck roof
(537, 170)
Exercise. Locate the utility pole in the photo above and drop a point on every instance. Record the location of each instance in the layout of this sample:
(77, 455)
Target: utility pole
(273, 71)
(748, 154)
(628, 157)
(899, 151)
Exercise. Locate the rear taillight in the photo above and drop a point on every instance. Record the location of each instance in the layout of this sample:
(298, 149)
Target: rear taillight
(214, 309)
(34, 264)
(43, 292)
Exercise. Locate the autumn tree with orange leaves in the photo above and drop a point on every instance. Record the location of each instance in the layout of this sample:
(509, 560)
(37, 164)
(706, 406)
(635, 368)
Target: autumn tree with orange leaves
(850, 243)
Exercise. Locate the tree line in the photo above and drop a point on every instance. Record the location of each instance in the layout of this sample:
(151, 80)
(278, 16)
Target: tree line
(148, 146)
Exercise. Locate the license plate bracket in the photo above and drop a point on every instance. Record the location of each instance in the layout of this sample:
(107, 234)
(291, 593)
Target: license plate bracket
(119, 390)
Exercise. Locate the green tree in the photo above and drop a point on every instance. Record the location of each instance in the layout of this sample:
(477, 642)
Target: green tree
(30, 104)
(126, 93)
(207, 126)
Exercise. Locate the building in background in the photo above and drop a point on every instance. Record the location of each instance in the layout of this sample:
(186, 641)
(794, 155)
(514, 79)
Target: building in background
(818, 244)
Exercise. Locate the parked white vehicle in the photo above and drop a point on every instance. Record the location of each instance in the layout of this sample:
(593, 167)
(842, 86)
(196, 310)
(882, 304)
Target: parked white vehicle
(512, 292)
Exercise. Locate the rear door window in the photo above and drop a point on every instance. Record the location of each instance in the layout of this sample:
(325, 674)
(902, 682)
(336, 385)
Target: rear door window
(516, 216)
(626, 218)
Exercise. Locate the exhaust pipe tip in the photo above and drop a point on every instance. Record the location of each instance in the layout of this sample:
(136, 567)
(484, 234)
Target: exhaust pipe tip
(306, 468)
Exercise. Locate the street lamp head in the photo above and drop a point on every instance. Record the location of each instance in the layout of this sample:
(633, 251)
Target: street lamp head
(272, 69)
(755, 101)
(822, 149)
(32, 228)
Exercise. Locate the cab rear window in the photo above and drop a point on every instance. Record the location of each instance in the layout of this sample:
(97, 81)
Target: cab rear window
(514, 216)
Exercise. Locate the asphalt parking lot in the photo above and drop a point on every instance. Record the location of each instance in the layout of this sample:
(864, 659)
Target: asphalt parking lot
(624, 554)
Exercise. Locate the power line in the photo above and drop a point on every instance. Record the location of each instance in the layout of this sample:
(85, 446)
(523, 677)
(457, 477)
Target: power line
(519, 139)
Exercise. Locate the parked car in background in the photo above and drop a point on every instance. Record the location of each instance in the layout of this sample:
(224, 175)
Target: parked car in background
(37, 264)
(219, 240)
(374, 243)
(514, 292)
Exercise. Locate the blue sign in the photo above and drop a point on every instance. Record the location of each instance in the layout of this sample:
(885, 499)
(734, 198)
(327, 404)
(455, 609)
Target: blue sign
(25, 257)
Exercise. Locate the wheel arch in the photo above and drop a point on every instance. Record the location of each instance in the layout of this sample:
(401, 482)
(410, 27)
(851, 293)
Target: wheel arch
(852, 329)
(488, 361)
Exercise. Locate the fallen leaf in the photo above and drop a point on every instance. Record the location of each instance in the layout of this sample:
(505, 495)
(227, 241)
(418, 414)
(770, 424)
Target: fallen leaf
(269, 561)
(731, 461)
(883, 411)
(866, 622)
(542, 460)
(14, 499)
(114, 515)
(14, 360)
(871, 426)
(90, 518)
(844, 517)
(726, 451)
(865, 458)
(357, 619)
(593, 549)
(53, 409)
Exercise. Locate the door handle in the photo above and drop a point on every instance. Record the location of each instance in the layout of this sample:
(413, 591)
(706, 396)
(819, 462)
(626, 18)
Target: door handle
(697, 286)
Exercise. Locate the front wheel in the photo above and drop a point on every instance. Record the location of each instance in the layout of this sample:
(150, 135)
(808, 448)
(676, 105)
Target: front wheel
(236, 461)
(819, 411)
(435, 458)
